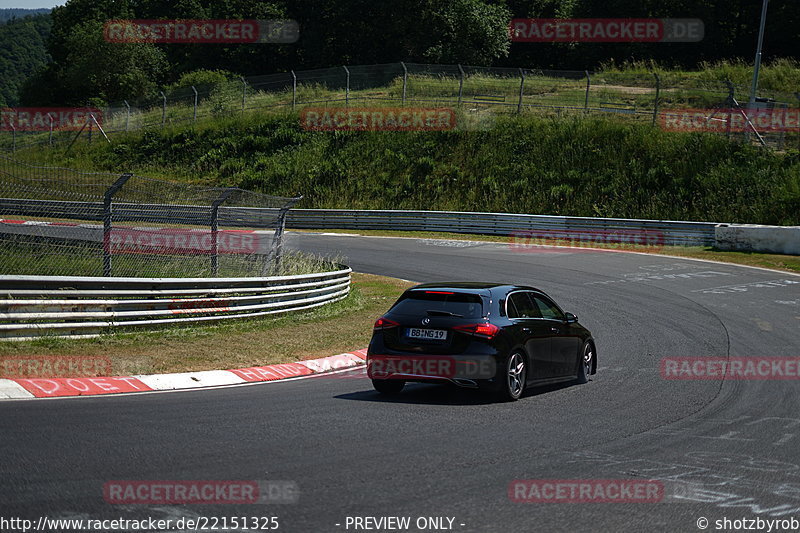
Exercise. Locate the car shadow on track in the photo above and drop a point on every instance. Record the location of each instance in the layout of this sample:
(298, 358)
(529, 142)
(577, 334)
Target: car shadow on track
(419, 393)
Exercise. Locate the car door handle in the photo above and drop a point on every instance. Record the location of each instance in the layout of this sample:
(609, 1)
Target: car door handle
(526, 330)
(554, 330)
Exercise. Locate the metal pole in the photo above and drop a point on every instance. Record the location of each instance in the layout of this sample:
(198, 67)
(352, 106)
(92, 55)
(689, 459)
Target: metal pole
(277, 239)
(405, 81)
(757, 66)
(658, 92)
(194, 116)
(13, 139)
(521, 89)
(163, 109)
(215, 227)
(294, 90)
(244, 93)
(460, 84)
(588, 85)
(90, 130)
(729, 102)
(51, 129)
(127, 114)
(107, 214)
(347, 87)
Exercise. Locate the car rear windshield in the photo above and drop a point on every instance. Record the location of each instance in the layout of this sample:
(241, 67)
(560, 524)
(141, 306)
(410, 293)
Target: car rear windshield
(433, 302)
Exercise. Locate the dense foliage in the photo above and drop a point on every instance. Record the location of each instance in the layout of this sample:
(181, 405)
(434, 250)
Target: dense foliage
(22, 52)
(336, 32)
(584, 166)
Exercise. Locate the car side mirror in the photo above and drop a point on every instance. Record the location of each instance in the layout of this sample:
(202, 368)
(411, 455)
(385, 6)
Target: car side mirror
(570, 318)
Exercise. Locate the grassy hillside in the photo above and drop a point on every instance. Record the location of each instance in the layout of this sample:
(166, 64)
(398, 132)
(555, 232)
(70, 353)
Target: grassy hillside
(582, 165)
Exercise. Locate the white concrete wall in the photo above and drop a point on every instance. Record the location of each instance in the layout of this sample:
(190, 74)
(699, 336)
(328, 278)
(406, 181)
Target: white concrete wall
(754, 238)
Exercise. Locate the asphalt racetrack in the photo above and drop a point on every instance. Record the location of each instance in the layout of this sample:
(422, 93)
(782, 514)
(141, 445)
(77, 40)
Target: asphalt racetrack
(721, 449)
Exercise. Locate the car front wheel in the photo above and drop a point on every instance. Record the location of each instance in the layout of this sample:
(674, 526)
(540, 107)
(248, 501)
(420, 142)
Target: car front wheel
(585, 363)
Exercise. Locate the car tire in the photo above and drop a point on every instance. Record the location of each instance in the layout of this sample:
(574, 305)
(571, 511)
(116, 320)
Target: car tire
(585, 362)
(515, 375)
(388, 386)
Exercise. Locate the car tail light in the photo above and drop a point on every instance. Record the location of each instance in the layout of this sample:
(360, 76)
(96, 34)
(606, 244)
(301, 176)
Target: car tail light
(384, 323)
(482, 329)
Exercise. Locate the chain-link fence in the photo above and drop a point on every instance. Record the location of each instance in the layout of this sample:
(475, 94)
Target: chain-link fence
(475, 90)
(57, 221)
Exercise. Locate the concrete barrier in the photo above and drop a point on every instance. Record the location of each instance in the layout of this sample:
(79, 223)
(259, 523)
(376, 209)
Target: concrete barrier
(755, 238)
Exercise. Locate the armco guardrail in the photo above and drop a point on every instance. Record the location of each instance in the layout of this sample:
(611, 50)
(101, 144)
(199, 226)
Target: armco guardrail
(677, 233)
(35, 306)
(673, 232)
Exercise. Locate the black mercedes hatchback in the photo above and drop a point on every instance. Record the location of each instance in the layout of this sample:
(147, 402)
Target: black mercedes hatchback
(501, 338)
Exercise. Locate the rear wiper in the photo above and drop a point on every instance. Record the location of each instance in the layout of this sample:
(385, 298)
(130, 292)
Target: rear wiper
(436, 312)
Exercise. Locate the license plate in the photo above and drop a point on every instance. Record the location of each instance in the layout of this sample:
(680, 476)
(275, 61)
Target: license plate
(429, 334)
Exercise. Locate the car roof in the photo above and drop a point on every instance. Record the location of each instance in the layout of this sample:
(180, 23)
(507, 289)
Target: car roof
(476, 287)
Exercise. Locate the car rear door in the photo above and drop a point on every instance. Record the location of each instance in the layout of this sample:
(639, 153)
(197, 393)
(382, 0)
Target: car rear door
(565, 342)
(532, 331)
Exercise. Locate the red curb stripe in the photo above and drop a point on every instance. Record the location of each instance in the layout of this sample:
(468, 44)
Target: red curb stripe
(50, 388)
(272, 372)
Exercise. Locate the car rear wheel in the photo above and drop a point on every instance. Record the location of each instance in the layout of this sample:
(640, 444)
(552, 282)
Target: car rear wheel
(388, 386)
(585, 363)
(515, 377)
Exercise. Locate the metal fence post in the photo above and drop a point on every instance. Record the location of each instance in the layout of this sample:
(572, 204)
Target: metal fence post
(163, 109)
(107, 214)
(588, 85)
(521, 89)
(127, 114)
(215, 229)
(194, 115)
(347, 87)
(729, 102)
(13, 139)
(50, 139)
(90, 131)
(405, 81)
(460, 84)
(294, 89)
(658, 93)
(277, 240)
(797, 95)
(244, 92)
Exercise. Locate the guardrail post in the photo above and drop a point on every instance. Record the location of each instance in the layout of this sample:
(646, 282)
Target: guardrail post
(405, 81)
(658, 94)
(244, 93)
(163, 109)
(460, 84)
(521, 89)
(107, 214)
(588, 86)
(347, 87)
(294, 90)
(215, 228)
(194, 115)
(127, 114)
